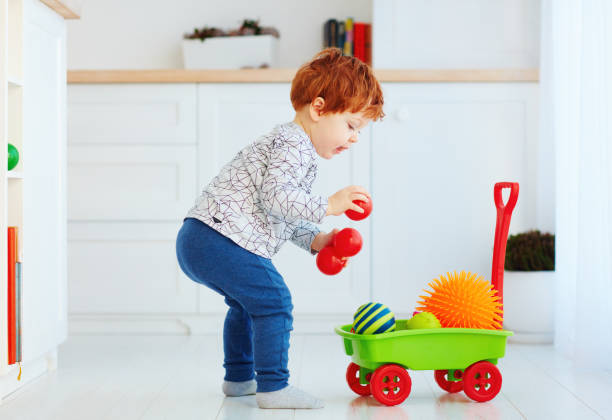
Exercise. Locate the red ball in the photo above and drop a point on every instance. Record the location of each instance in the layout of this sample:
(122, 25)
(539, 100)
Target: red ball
(365, 205)
(347, 242)
(328, 262)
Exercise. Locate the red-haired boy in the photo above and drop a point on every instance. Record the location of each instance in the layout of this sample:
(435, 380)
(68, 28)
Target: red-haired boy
(261, 199)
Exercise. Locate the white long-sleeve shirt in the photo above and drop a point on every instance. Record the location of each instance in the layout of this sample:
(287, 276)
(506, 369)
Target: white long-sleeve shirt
(263, 196)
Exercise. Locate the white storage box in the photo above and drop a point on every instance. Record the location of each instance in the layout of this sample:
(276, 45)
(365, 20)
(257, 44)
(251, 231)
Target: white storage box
(231, 52)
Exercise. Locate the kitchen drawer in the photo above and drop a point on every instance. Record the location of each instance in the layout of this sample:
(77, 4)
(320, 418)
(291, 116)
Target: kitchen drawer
(127, 268)
(126, 114)
(130, 183)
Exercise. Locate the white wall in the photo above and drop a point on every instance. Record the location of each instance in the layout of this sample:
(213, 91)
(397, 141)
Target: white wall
(141, 34)
(147, 34)
(456, 34)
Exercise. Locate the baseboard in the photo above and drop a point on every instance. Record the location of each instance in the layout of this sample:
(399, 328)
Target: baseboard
(531, 338)
(30, 370)
(186, 324)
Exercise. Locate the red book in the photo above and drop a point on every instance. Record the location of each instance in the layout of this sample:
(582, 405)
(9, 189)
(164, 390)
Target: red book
(12, 260)
(368, 44)
(359, 41)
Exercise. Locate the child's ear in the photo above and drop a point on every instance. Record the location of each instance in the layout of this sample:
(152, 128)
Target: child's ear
(316, 108)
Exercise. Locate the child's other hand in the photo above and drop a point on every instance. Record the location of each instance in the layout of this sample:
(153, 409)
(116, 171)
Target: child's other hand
(322, 240)
(342, 200)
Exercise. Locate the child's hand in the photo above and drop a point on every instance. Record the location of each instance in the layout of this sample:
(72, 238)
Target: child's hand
(322, 239)
(343, 200)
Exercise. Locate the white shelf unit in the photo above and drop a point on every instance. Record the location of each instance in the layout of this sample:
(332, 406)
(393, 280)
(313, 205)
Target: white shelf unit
(15, 175)
(33, 194)
(11, 121)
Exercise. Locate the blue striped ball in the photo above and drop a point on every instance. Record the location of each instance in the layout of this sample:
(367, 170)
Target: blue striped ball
(373, 318)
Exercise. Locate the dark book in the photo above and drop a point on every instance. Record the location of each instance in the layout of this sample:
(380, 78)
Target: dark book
(333, 32)
(340, 35)
(327, 34)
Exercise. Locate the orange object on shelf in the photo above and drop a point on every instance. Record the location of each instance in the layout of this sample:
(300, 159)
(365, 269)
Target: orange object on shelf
(463, 301)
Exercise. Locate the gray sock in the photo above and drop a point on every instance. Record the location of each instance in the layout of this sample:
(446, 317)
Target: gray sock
(288, 397)
(238, 389)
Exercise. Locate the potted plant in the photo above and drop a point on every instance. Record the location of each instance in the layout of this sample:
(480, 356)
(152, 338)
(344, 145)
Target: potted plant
(529, 286)
(250, 46)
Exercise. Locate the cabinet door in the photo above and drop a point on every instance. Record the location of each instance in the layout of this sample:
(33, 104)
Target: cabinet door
(435, 160)
(232, 116)
(132, 114)
(127, 268)
(130, 183)
(132, 178)
(44, 184)
(131, 151)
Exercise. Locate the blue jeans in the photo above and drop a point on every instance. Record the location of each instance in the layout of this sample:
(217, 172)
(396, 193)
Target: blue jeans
(259, 318)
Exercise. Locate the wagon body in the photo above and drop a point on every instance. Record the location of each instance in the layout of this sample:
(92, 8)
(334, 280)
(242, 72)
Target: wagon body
(425, 349)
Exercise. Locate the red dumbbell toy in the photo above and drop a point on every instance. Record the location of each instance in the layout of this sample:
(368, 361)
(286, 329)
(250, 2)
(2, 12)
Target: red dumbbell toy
(345, 243)
(328, 262)
(365, 205)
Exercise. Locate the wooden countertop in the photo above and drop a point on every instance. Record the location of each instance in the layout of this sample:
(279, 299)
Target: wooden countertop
(286, 75)
(66, 8)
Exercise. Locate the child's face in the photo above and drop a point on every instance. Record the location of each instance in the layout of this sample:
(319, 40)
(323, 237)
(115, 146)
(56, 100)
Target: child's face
(334, 133)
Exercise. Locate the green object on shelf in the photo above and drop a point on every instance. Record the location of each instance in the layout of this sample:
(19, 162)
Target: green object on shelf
(13, 156)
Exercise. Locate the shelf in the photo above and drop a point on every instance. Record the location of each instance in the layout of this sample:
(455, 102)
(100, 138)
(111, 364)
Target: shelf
(14, 175)
(11, 43)
(14, 81)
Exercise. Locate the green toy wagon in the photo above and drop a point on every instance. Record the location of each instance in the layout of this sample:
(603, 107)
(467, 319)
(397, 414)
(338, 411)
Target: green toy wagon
(463, 359)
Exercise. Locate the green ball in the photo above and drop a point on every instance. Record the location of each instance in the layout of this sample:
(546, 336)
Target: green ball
(423, 320)
(373, 318)
(13, 156)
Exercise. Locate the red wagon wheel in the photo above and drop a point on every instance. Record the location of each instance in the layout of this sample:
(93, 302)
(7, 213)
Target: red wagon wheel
(352, 378)
(449, 386)
(482, 381)
(390, 384)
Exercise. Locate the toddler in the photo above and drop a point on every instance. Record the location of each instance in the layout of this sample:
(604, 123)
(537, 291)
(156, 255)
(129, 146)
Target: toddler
(261, 199)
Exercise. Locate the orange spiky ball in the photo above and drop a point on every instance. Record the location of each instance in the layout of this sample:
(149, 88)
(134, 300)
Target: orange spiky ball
(463, 301)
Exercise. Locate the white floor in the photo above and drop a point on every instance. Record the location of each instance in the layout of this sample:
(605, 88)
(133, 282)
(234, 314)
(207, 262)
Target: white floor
(179, 377)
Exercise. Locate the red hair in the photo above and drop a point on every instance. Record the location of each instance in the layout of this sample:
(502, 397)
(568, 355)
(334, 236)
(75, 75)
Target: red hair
(345, 83)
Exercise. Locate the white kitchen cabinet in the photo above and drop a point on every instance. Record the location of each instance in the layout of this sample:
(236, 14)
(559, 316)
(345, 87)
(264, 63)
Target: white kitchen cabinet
(44, 200)
(233, 115)
(430, 166)
(132, 176)
(435, 160)
(131, 186)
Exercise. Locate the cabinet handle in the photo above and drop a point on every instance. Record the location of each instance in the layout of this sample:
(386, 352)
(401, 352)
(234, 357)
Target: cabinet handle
(402, 114)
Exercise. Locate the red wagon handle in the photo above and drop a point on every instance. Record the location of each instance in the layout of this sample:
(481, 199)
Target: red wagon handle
(504, 214)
